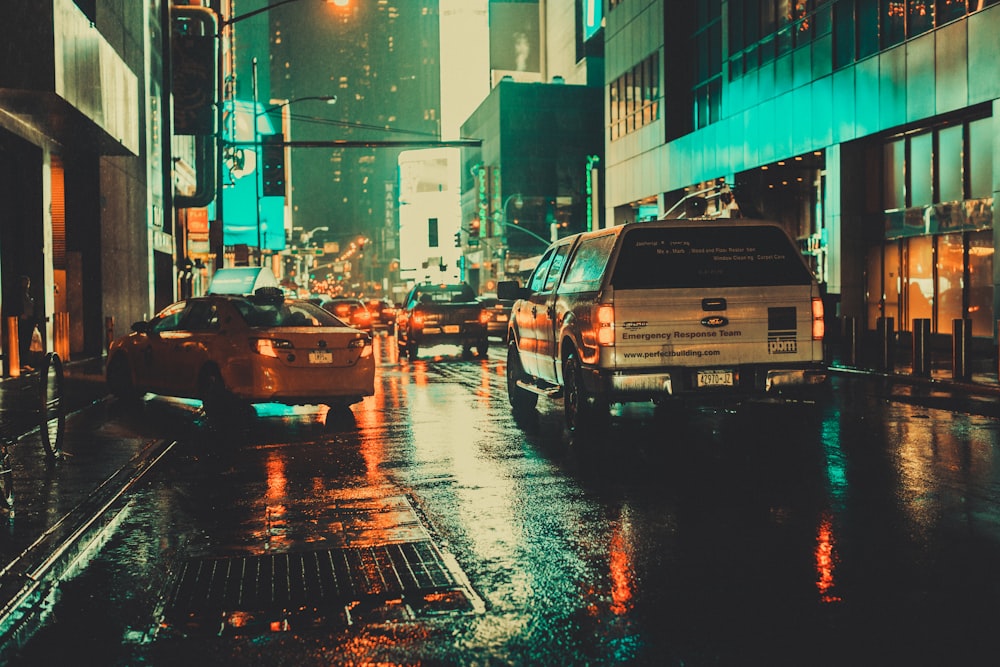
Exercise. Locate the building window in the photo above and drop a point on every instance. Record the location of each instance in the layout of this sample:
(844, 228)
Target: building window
(867, 14)
(937, 260)
(633, 98)
(893, 19)
(980, 164)
(708, 72)
(919, 17)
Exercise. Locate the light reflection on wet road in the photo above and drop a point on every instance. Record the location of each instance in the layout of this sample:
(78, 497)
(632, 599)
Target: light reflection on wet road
(862, 532)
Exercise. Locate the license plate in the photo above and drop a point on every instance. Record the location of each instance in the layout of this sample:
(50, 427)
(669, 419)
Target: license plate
(715, 378)
(451, 328)
(320, 357)
(501, 318)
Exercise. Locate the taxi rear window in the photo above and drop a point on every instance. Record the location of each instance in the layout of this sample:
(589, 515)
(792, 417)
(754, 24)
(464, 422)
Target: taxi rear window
(710, 256)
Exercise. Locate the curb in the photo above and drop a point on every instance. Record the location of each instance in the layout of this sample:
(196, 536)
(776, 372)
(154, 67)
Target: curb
(29, 583)
(967, 386)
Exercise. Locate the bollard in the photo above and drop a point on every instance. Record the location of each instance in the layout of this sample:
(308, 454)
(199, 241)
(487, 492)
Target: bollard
(886, 333)
(961, 341)
(921, 336)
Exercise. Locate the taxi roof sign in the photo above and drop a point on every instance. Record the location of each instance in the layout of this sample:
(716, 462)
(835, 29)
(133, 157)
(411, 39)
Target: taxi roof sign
(242, 280)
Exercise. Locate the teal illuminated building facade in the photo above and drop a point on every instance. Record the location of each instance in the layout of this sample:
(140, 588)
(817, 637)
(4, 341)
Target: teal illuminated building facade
(868, 128)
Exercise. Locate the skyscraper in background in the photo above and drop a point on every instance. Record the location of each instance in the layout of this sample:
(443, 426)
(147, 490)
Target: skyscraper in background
(381, 60)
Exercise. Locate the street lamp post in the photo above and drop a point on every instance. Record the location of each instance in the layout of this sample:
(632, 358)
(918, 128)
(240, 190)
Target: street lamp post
(225, 78)
(259, 163)
(508, 225)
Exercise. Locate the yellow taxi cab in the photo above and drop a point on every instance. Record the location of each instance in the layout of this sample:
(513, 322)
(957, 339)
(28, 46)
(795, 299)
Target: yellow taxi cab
(232, 350)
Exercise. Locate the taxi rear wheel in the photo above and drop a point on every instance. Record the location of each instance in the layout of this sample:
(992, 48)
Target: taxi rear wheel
(120, 379)
(214, 395)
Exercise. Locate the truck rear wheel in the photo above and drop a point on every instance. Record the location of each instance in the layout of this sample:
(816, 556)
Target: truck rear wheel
(582, 410)
(521, 400)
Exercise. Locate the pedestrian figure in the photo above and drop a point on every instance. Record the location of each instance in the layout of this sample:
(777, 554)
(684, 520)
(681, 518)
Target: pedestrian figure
(26, 323)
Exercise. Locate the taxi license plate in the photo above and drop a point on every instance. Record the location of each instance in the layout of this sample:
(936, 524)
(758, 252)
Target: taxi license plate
(320, 357)
(451, 328)
(715, 378)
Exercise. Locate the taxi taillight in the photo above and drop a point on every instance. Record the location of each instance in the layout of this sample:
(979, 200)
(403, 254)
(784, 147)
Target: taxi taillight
(818, 324)
(269, 347)
(364, 343)
(484, 316)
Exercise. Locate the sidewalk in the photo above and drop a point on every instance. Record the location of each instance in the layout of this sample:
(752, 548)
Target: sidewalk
(62, 508)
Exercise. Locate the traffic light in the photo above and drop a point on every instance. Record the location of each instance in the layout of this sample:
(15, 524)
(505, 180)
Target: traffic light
(273, 164)
(458, 239)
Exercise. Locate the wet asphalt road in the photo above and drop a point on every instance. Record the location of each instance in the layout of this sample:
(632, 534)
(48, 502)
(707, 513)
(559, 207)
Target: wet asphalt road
(861, 532)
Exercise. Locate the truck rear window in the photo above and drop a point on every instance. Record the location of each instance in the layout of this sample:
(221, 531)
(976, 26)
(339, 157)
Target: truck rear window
(709, 256)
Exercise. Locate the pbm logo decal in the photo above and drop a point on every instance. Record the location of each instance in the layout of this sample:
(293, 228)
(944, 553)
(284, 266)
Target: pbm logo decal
(634, 325)
(714, 321)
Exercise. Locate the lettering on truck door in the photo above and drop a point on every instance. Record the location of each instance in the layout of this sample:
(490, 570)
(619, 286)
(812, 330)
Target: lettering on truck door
(546, 324)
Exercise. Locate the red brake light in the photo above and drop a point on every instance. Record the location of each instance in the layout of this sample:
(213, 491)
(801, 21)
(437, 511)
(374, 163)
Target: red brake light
(818, 324)
(604, 320)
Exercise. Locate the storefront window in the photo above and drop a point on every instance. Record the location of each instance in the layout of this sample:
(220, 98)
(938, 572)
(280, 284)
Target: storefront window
(891, 282)
(919, 280)
(949, 280)
(981, 282)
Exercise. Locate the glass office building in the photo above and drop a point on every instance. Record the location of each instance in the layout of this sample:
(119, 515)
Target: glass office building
(867, 127)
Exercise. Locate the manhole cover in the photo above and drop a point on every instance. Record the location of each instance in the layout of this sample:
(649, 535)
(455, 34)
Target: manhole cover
(278, 591)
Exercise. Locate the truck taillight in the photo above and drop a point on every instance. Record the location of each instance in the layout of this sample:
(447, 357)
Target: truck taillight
(417, 320)
(819, 326)
(484, 317)
(604, 319)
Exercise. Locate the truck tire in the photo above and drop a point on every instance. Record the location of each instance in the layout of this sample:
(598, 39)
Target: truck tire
(521, 400)
(412, 349)
(483, 348)
(582, 410)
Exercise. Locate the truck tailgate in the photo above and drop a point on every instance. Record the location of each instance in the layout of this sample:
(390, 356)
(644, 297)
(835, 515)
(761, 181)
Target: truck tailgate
(718, 326)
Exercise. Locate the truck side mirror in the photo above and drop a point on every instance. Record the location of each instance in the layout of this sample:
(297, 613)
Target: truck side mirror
(511, 290)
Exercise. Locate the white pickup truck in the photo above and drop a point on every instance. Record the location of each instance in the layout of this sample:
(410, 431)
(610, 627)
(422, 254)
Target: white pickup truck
(670, 310)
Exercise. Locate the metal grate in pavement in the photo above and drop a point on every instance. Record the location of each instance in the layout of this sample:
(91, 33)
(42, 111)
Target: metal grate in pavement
(317, 584)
